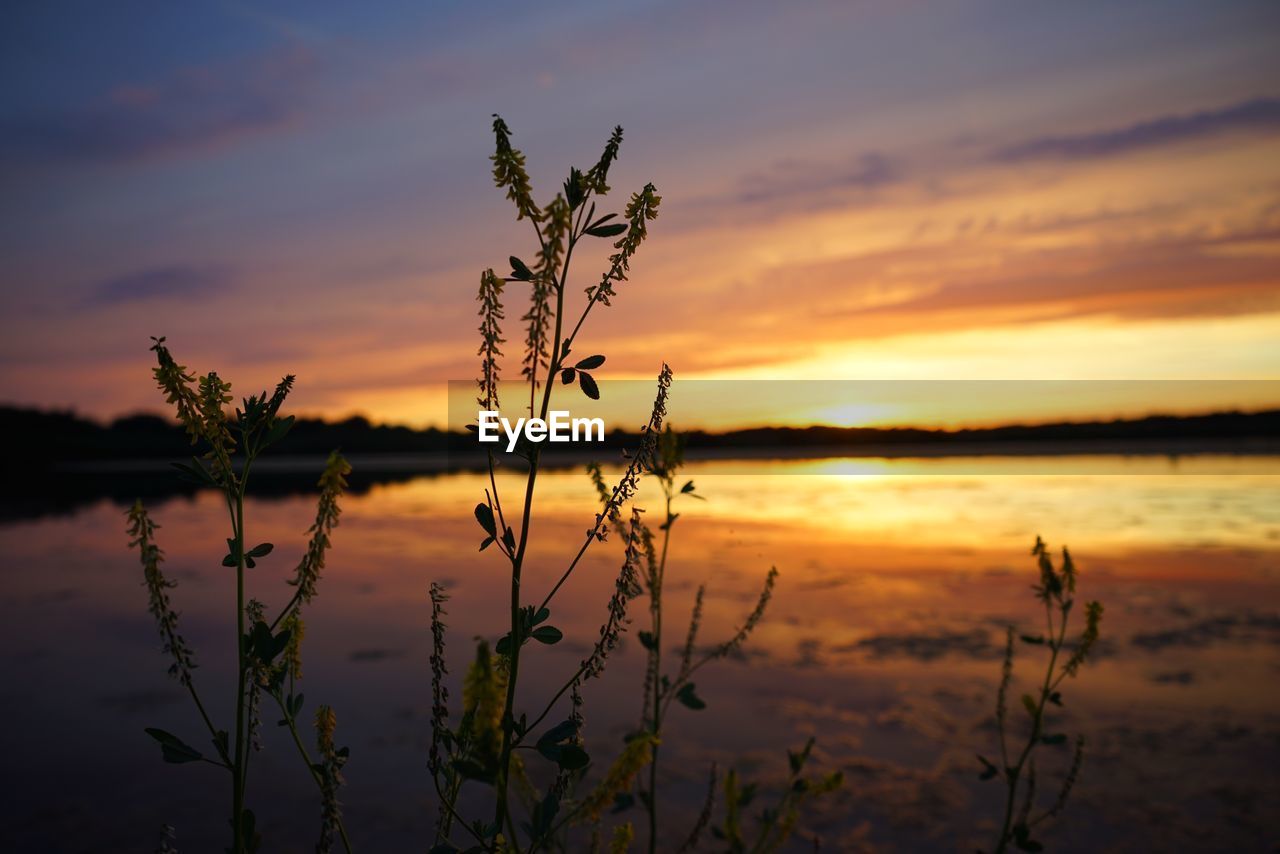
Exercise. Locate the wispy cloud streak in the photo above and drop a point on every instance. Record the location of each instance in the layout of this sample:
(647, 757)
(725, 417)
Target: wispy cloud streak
(177, 281)
(1259, 115)
(196, 108)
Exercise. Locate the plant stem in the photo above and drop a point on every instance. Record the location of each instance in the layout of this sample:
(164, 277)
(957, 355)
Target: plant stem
(306, 757)
(493, 484)
(237, 774)
(655, 608)
(1013, 774)
(297, 596)
(591, 535)
(231, 492)
(502, 808)
(451, 811)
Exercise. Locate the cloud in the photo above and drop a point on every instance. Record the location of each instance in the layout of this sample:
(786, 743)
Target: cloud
(196, 108)
(1259, 115)
(1174, 677)
(1169, 276)
(179, 280)
(792, 178)
(1233, 628)
(927, 645)
(376, 654)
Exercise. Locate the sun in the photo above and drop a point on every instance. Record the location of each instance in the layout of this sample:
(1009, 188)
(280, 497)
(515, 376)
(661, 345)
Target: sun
(858, 415)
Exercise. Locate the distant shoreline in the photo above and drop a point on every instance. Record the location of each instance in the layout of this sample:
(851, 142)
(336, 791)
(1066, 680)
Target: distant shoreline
(64, 442)
(464, 461)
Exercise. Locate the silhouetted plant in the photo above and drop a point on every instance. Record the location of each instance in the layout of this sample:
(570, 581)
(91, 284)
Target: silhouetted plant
(268, 655)
(661, 690)
(774, 824)
(482, 747)
(1056, 591)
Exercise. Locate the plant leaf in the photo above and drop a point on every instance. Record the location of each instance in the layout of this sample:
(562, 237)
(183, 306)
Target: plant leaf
(573, 189)
(689, 698)
(1022, 838)
(572, 757)
(174, 749)
(611, 230)
(547, 634)
(232, 557)
(589, 387)
(562, 731)
(590, 363)
(484, 515)
(519, 270)
(280, 428)
(197, 474)
(989, 769)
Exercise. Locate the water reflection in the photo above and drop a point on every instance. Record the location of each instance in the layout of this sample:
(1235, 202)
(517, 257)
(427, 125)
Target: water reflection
(882, 640)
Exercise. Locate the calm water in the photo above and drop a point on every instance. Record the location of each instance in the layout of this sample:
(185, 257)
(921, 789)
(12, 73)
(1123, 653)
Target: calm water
(882, 640)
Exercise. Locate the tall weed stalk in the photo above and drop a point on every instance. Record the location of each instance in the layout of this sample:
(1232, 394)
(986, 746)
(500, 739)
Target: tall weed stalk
(267, 653)
(1017, 764)
(660, 689)
(482, 747)
(775, 823)
(500, 724)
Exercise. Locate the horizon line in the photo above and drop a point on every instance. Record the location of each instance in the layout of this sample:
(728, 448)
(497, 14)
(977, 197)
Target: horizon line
(745, 427)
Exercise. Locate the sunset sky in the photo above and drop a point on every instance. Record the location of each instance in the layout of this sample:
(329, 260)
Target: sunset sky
(879, 190)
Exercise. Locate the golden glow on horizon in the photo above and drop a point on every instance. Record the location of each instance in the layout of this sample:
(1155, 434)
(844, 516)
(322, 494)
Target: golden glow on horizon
(1034, 271)
(1012, 273)
(856, 415)
(1156, 350)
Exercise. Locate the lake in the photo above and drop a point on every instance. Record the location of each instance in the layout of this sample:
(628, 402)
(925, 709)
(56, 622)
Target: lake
(883, 640)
